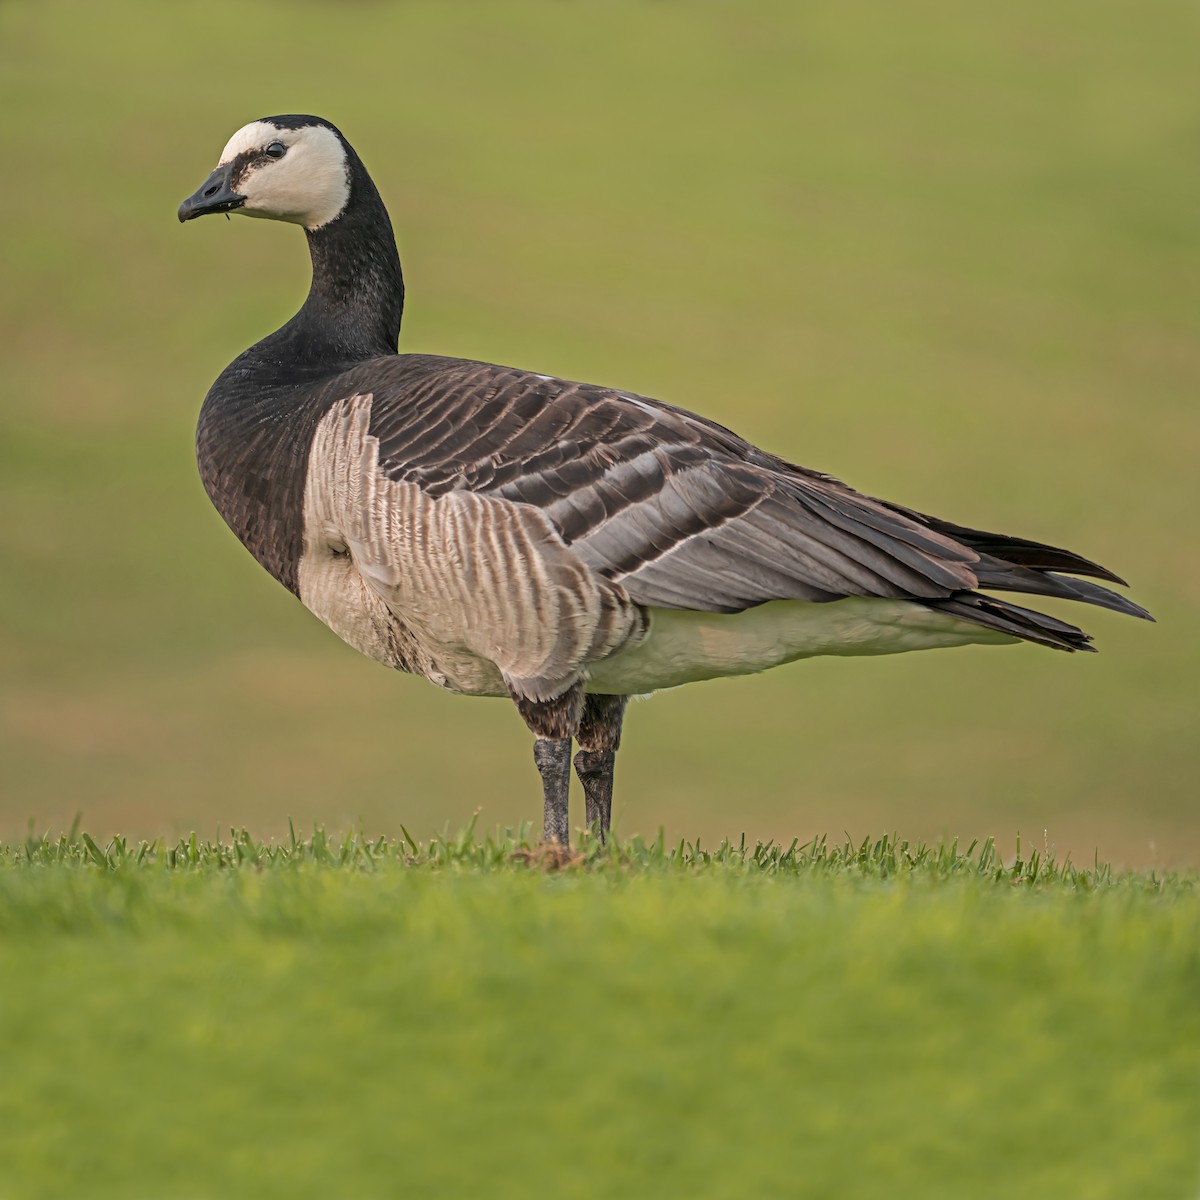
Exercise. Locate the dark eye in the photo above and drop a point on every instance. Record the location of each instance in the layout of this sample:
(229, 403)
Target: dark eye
(276, 150)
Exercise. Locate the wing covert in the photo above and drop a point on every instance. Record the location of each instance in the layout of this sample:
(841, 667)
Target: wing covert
(679, 510)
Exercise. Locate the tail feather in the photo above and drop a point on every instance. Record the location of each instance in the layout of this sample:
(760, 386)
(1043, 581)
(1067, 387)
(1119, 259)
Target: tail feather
(1012, 577)
(1021, 552)
(1010, 564)
(1023, 623)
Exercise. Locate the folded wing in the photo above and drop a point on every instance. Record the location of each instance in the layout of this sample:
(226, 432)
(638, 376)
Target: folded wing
(685, 514)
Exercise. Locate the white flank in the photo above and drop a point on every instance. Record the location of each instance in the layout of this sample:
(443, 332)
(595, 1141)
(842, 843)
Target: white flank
(684, 646)
(308, 186)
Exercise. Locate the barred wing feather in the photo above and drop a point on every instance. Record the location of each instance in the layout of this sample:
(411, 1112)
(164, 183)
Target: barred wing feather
(679, 510)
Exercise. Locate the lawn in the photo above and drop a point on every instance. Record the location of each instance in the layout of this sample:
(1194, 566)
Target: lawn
(365, 1018)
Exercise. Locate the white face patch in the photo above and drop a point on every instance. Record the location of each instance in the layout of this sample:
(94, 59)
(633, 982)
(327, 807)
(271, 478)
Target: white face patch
(308, 186)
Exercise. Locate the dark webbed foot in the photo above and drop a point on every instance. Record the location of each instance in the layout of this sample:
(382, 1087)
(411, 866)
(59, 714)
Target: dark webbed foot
(599, 739)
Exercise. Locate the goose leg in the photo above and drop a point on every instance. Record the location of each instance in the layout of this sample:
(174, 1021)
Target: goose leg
(599, 740)
(554, 723)
(553, 758)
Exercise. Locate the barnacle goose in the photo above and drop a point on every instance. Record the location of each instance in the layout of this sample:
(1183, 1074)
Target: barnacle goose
(506, 533)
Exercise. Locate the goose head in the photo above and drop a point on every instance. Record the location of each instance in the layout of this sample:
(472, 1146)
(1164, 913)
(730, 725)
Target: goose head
(292, 168)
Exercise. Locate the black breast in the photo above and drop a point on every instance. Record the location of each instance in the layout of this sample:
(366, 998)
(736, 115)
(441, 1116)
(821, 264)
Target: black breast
(252, 446)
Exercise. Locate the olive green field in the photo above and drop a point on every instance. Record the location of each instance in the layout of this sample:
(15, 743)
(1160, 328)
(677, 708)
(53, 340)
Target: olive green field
(951, 258)
(362, 1017)
(274, 921)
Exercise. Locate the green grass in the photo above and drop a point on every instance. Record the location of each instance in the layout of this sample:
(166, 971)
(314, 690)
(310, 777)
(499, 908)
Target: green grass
(367, 1017)
(948, 252)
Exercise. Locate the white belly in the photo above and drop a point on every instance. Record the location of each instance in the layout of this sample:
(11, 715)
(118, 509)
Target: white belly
(684, 646)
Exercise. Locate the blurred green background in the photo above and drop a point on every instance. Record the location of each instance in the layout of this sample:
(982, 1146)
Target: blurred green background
(949, 253)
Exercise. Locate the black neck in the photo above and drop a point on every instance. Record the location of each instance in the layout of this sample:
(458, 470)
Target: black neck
(356, 300)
